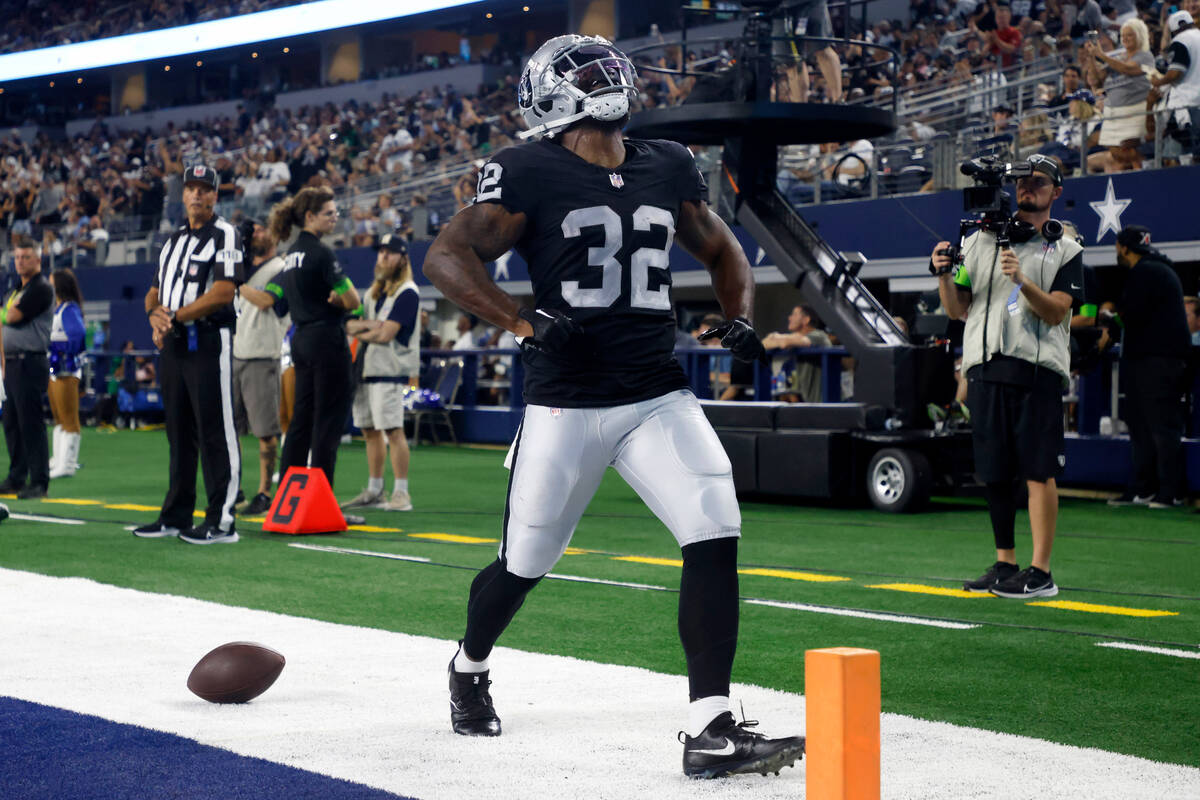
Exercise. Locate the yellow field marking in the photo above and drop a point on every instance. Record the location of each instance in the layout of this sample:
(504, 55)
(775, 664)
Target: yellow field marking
(793, 575)
(257, 520)
(1092, 608)
(452, 537)
(922, 589)
(373, 529)
(131, 507)
(8, 496)
(70, 502)
(658, 562)
(578, 551)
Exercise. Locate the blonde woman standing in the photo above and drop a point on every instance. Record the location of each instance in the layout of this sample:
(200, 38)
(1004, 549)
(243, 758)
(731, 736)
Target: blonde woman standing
(1123, 75)
(388, 357)
(66, 345)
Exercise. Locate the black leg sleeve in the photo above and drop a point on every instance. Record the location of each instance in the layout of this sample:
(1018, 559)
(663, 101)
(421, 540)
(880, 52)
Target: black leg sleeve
(1002, 506)
(708, 615)
(496, 595)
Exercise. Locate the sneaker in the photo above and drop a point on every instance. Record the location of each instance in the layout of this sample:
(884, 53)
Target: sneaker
(354, 519)
(399, 501)
(728, 748)
(1000, 571)
(365, 498)
(31, 492)
(8, 487)
(1029, 582)
(1164, 502)
(1130, 499)
(259, 504)
(209, 534)
(471, 711)
(155, 530)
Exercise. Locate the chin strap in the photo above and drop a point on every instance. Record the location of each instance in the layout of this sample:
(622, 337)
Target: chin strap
(550, 128)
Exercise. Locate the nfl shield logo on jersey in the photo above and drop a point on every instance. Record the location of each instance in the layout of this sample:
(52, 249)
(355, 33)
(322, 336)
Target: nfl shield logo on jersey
(616, 180)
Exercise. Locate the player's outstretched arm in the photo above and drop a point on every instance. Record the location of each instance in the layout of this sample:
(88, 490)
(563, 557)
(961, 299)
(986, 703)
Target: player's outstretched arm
(706, 236)
(456, 263)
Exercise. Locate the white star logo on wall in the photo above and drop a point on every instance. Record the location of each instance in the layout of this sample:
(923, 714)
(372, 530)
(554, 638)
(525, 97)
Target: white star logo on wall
(1109, 209)
(502, 267)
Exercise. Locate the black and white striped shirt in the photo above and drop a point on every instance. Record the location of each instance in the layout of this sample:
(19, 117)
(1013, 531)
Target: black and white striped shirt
(192, 259)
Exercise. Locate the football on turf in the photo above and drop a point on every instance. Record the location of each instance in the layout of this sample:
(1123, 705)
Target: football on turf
(235, 672)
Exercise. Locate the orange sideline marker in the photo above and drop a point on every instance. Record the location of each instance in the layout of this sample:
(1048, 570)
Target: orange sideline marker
(304, 503)
(842, 701)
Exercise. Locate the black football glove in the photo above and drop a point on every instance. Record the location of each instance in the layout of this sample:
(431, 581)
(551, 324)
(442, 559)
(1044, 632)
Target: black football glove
(739, 338)
(552, 330)
(246, 231)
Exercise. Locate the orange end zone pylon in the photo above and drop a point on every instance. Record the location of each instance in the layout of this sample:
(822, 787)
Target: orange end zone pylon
(304, 503)
(842, 701)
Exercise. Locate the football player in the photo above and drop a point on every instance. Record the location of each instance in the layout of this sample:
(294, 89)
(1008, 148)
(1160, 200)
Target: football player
(594, 216)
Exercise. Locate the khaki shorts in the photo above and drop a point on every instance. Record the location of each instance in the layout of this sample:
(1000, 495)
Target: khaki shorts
(379, 406)
(256, 391)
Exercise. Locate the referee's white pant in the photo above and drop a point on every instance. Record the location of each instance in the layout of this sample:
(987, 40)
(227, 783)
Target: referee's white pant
(197, 389)
(664, 448)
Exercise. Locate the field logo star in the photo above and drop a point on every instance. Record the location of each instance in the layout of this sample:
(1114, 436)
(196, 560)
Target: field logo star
(1110, 210)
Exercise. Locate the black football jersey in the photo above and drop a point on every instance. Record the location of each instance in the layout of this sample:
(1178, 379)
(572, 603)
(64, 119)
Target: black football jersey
(596, 241)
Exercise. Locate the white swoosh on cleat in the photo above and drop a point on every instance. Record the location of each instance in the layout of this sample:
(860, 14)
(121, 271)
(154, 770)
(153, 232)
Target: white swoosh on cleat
(727, 750)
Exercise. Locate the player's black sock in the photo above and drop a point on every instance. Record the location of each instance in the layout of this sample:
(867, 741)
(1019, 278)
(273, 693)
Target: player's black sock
(1002, 506)
(708, 614)
(496, 594)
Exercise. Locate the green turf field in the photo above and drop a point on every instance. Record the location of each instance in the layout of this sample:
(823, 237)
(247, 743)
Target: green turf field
(1127, 576)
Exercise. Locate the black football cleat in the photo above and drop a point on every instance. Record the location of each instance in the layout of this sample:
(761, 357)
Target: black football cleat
(728, 748)
(471, 711)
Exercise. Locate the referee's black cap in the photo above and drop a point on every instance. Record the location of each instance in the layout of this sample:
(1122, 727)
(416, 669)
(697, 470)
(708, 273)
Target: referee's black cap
(200, 173)
(393, 242)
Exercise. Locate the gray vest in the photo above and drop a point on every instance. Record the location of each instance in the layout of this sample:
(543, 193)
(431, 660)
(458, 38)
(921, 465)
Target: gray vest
(32, 335)
(1021, 334)
(393, 359)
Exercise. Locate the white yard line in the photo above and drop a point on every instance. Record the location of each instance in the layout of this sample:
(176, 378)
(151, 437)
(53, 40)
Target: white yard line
(370, 706)
(352, 552)
(36, 518)
(849, 612)
(1141, 648)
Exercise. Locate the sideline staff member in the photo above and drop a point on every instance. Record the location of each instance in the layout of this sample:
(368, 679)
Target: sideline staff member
(1154, 353)
(1016, 356)
(28, 315)
(318, 295)
(256, 347)
(388, 356)
(190, 306)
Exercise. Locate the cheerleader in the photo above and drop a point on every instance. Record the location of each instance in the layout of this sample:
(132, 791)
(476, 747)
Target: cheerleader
(66, 346)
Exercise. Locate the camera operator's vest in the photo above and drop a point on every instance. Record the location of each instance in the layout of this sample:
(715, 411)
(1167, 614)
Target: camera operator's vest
(1021, 334)
(391, 360)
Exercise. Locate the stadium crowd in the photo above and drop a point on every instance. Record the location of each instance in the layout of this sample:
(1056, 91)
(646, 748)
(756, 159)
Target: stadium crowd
(108, 183)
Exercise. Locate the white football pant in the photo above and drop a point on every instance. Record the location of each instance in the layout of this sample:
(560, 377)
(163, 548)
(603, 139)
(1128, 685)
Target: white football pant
(664, 448)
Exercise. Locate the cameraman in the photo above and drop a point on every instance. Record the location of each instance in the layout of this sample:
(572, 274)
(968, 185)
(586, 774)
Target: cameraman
(1016, 301)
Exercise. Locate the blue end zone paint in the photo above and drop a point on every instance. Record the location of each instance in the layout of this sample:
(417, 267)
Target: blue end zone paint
(50, 753)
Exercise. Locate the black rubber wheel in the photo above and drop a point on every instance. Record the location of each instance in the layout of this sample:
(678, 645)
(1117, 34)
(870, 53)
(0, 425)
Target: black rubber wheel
(899, 480)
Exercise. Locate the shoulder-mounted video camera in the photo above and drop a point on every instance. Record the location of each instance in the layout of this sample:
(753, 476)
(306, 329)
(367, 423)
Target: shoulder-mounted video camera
(990, 208)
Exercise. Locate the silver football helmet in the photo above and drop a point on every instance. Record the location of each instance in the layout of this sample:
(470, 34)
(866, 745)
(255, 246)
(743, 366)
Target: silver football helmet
(572, 77)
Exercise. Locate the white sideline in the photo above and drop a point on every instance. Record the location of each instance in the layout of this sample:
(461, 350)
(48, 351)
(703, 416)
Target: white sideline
(370, 706)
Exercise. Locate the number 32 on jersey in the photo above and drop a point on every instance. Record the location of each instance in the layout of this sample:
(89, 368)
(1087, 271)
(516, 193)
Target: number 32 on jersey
(604, 257)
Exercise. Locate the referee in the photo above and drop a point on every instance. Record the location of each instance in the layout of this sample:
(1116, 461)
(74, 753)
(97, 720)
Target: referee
(313, 288)
(190, 306)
